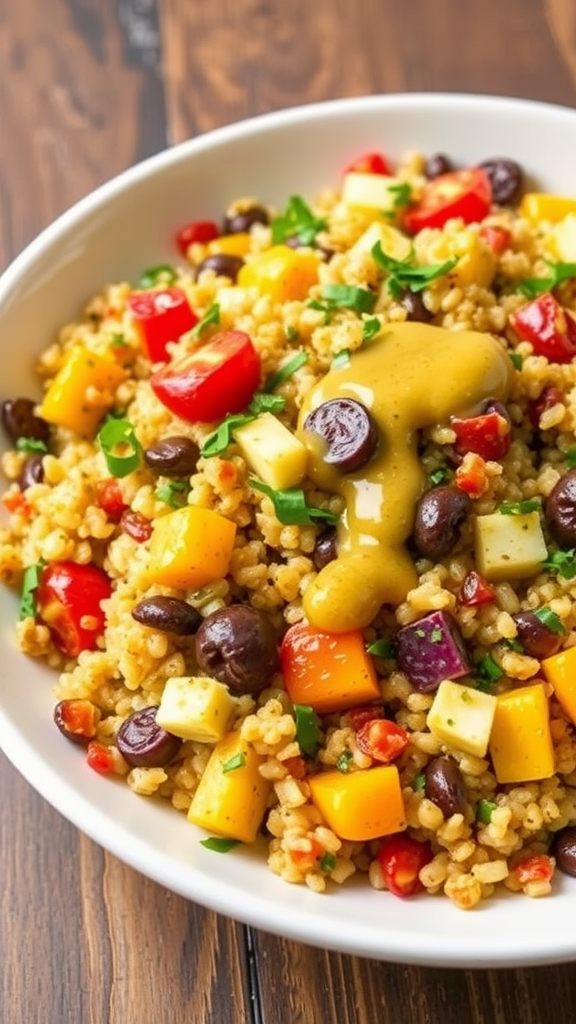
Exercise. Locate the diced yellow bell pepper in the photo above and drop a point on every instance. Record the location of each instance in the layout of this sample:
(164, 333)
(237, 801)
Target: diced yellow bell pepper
(361, 805)
(541, 206)
(190, 548)
(283, 273)
(231, 245)
(272, 451)
(82, 391)
(560, 670)
(562, 239)
(231, 796)
(521, 743)
(196, 708)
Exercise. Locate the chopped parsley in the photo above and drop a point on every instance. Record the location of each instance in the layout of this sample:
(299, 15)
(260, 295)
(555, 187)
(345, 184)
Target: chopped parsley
(570, 456)
(297, 221)
(436, 635)
(519, 508)
(484, 809)
(551, 620)
(402, 197)
(237, 761)
(487, 671)
(291, 507)
(211, 316)
(343, 762)
(30, 583)
(283, 373)
(31, 445)
(292, 334)
(307, 735)
(517, 360)
(419, 783)
(173, 492)
(531, 287)
(343, 296)
(218, 844)
(382, 649)
(327, 862)
(440, 476)
(563, 563)
(405, 274)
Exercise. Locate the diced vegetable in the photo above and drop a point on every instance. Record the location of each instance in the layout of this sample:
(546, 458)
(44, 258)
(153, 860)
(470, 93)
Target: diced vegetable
(466, 194)
(461, 717)
(509, 547)
(401, 858)
(487, 435)
(237, 244)
(190, 547)
(282, 273)
(375, 192)
(272, 451)
(549, 328)
(475, 590)
(521, 744)
(432, 649)
(197, 231)
(560, 670)
(231, 803)
(382, 739)
(369, 163)
(541, 206)
(327, 671)
(393, 243)
(82, 391)
(195, 708)
(161, 316)
(360, 805)
(69, 600)
(563, 237)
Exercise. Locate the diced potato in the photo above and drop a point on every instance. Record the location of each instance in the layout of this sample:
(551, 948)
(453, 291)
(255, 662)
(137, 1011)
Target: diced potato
(560, 670)
(82, 391)
(190, 548)
(461, 717)
(541, 206)
(231, 796)
(370, 191)
(562, 239)
(272, 451)
(362, 805)
(196, 708)
(393, 242)
(283, 273)
(521, 744)
(509, 546)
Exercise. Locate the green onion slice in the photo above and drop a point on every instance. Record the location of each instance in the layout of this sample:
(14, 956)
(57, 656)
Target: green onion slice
(343, 762)
(519, 508)
(283, 373)
(219, 844)
(211, 316)
(161, 274)
(419, 783)
(327, 862)
(291, 507)
(238, 761)
(381, 649)
(30, 445)
(484, 811)
(120, 447)
(30, 583)
(341, 359)
(223, 436)
(531, 287)
(370, 328)
(551, 620)
(307, 735)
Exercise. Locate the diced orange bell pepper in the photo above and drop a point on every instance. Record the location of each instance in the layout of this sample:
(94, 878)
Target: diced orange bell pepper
(190, 548)
(360, 805)
(520, 742)
(281, 272)
(327, 671)
(82, 391)
(560, 671)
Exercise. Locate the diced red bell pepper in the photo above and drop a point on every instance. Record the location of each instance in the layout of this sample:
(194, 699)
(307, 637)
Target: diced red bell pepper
(548, 327)
(549, 397)
(369, 163)
(382, 740)
(364, 713)
(475, 590)
(69, 600)
(197, 231)
(487, 435)
(217, 379)
(77, 719)
(471, 476)
(161, 315)
(538, 868)
(495, 236)
(100, 758)
(401, 858)
(466, 194)
(110, 498)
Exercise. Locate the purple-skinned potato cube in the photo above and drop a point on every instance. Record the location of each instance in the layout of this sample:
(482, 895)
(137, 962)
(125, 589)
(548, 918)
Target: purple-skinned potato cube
(432, 649)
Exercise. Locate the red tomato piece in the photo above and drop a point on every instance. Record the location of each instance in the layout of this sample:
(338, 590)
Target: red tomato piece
(161, 315)
(14, 501)
(539, 868)
(487, 435)
(296, 767)
(136, 525)
(211, 382)
(548, 398)
(548, 327)
(495, 236)
(401, 859)
(364, 713)
(471, 476)
(110, 498)
(466, 194)
(475, 590)
(382, 740)
(100, 758)
(197, 231)
(69, 600)
(369, 163)
(77, 719)
(304, 857)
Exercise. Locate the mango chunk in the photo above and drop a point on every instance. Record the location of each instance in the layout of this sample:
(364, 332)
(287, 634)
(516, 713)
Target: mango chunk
(509, 546)
(361, 805)
(190, 548)
(231, 796)
(462, 717)
(283, 273)
(560, 670)
(275, 454)
(521, 744)
(196, 708)
(82, 391)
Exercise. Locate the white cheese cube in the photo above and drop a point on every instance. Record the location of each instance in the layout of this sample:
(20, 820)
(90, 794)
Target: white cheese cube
(462, 717)
(563, 239)
(272, 451)
(370, 191)
(196, 708)
(509, 546)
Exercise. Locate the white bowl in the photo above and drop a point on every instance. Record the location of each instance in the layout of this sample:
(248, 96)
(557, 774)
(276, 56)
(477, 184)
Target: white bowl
(129, 224)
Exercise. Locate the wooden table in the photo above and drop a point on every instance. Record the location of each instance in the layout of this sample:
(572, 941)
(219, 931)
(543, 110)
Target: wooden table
(88, 87)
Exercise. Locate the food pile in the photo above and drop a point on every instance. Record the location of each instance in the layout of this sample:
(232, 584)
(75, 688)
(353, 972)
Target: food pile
(294, 523)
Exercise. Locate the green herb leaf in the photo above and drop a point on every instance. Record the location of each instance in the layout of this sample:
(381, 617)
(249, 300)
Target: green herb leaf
(30, 583)
(174, 493)
(341, 359)
(120, 446)
(440, 476)
(343, 762)
(291, 508)
(563, 563)
(223, 436)
(118, 340)
(570, 456)
(238, 761)
(306, 729)
(488, 669)
(162, 274)
(516, 359)
(30, 444)
(263, 402)
(327, 862)
(371, 328)
(283, 373)
(402, 197)
(218, 844)
(519, 508)
(533, 286)
(297, 220)
(405, 274)
(349, 296)
(484, 809)
(419, 783)
(551, 620)
(381, 649)
(211, 316)
(292, 334)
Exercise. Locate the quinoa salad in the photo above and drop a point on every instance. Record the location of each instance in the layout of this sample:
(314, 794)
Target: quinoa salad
(294, 526)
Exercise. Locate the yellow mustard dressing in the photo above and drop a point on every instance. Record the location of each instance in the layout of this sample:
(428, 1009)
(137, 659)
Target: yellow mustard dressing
(412, 376)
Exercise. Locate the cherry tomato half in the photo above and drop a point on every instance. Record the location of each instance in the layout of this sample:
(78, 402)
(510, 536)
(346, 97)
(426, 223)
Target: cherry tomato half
(369, 163)
(69, 600)
(466, 194)
(161, 315)
(381, 739)
(213, 381)
(548, 327)
(401, 859)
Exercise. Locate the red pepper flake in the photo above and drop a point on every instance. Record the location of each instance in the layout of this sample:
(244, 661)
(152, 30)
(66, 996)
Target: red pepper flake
(14, 501)
(100, 758)
(538, 868)
(496, 237)
(296, 767)
(548, 398)
(471, 476)
(136, 526)
(109, 496)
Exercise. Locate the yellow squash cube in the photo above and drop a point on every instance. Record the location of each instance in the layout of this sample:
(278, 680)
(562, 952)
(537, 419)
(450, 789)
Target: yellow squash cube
(462, 717)
(231, 796)
(521, 744)
(541, 206)
(282, 273)
(82, 391)
(190, 548)
(560, 670)
(361, 805)
(196, 708)
(272, 451)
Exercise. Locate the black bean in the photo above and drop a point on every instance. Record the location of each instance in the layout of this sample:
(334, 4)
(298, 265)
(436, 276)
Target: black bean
(436, 165)
(506, 178)
(347, 430)
(173, 456)
(223, 264)
(326, 549)
(560, 510)
(167, 614)
(413, 303)
(242, 220)
(145, 744)
(444, 786)
(20, 420)
(440, 514)
(564, 850)
(238, 646)
(537, 639)
(32, 472)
